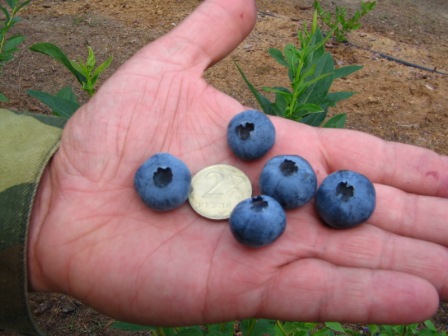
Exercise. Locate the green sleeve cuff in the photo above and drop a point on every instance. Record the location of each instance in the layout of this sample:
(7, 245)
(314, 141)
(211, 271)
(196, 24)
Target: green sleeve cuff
(27, 143)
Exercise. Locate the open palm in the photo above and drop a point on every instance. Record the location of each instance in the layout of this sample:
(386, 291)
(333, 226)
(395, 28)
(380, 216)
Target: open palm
(93, 238)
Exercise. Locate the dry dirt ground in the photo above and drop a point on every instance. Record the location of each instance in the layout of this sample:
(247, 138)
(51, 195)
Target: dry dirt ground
(394, 102)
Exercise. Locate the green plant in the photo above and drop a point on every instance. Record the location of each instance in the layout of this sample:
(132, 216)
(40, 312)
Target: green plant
(339, 22)
(249, 327)
(311, 73)
(263, 327)
(65, 102)
(426, 329)
(9, 43)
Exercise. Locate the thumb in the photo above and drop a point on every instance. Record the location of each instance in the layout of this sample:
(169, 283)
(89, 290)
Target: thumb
(206, 36)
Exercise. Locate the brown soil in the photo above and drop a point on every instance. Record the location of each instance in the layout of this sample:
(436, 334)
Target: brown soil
(394, 101)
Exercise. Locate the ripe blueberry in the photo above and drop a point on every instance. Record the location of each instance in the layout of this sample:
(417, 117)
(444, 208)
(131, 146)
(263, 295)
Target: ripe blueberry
(289, 179)
(257, 221)
(250, 134)
(345, 199)
(163, 182)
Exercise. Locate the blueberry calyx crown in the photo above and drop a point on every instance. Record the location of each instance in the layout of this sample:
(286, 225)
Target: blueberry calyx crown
(288, 168)
(345, 191)
(243, 131)
(163, 177)
(258, 203)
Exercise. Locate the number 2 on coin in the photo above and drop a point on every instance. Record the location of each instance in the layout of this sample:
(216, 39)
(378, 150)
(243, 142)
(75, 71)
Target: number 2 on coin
(221, 185)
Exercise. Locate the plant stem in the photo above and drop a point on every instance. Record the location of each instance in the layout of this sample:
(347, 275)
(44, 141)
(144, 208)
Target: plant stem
(6, 28)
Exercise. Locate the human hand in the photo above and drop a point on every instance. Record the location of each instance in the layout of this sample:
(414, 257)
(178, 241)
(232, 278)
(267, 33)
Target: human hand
(91, 236)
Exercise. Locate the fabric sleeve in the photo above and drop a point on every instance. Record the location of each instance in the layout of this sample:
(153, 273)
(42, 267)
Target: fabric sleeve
(27, 143)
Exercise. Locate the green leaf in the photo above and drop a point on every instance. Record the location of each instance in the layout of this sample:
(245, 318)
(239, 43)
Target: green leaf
(91, 60)
(165, 331)
(6, 57)
(335, 97)
(281, 102)
(374, 329)
(314, 119)
(392, 330)
(292, 60)
(67, 94)
(324, 332)
(430, 325)
(260, 327)
(14, 20)
(290, 327)
(316, 45)
(319, 84)
(191, 331)
(79, 67)
(59, 106)
(277, 90)
(310, 108)
(6, 12)
(101, 68)
(13, 42)
(338, 121)
(53, 51)
(347, 70)
(3, 98)
(336, 326)
(130, 327)
(427, 332)
(224, 329)
(11, 3)
(265, 104)
(23, 4)
(278, 56)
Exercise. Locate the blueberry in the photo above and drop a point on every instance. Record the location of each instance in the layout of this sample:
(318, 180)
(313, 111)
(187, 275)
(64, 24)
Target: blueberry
(163, 182)
(345, 199)
(257, 221)
(289, 179)
(250, 134)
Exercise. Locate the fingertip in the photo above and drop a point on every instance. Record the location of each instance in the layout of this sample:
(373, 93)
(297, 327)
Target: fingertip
(213, 31)
(351, 295)
(402, 299)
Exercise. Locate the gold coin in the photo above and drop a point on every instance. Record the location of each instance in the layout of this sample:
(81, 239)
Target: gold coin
(217, 189)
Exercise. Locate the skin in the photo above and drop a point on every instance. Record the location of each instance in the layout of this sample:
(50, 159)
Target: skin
(92, 238)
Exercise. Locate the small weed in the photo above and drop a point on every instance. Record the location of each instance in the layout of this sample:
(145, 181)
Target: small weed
(311, 73)
(339, 22)
(9, 43)
(65, 102)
